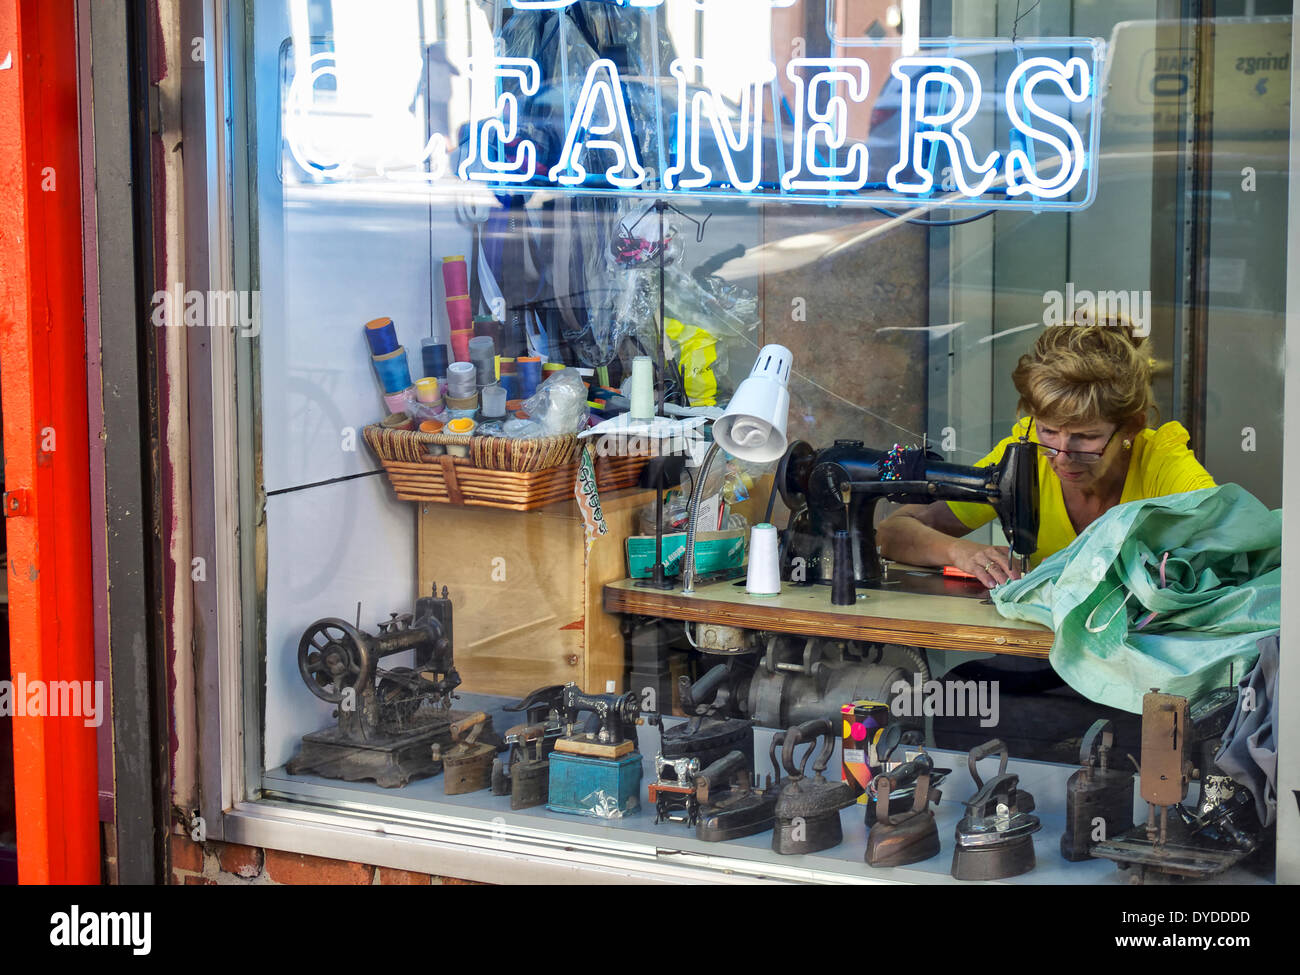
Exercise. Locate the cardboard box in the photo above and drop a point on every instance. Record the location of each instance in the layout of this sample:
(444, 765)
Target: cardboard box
(714, 552)
(864, 723)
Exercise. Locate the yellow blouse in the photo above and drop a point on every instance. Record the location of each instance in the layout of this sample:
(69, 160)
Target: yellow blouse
(1161, 464)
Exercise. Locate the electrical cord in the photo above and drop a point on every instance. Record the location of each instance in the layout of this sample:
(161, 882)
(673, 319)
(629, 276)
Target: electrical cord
(939, 223)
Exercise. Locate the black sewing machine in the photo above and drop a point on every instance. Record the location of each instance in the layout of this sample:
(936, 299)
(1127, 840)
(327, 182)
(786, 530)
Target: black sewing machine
(833, 494)
(388, 720)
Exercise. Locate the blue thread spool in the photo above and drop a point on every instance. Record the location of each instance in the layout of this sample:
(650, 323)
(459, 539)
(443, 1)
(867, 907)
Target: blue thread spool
(434, 354)
(530, 375)
(394, 371)
(382, 336)
(511, 385)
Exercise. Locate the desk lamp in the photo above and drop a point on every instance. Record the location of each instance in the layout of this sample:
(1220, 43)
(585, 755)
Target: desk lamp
(752, 429)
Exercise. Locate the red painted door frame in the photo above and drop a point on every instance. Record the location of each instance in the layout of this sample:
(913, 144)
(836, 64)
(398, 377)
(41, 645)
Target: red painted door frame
(47, 480)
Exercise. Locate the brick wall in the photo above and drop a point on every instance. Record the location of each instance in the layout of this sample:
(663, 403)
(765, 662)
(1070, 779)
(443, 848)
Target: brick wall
(230, 863)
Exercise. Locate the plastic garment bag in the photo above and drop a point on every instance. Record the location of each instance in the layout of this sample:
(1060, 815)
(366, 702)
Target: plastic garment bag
(1169, 593)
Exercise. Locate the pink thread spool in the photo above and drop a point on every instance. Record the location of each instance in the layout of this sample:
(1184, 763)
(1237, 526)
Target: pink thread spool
(455, 276)
(460, 344)
(458, 314)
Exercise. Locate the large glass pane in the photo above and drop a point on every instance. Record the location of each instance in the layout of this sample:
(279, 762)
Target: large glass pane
(905, 196)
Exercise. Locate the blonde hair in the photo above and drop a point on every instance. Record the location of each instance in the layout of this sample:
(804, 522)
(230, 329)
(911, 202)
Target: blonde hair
(1083, 373)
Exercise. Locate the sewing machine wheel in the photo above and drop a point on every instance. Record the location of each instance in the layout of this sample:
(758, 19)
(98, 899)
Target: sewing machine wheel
(332, 656)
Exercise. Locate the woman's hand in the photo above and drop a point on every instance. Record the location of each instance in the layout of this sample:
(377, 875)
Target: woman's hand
(987, 563)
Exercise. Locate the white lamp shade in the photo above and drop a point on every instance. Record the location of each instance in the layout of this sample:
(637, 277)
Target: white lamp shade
(753, 426)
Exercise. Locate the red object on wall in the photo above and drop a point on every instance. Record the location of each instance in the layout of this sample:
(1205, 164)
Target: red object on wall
(43, 363)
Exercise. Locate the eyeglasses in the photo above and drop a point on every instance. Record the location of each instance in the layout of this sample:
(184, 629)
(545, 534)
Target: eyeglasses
(1086, 457)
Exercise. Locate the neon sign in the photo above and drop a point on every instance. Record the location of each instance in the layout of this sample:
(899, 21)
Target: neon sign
(802, 137)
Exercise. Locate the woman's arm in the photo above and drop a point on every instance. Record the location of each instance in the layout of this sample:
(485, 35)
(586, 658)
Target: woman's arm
(930, 534)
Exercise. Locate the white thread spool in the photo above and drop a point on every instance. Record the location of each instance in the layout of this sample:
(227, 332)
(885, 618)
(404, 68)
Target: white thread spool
(643, 388)
(764, 578)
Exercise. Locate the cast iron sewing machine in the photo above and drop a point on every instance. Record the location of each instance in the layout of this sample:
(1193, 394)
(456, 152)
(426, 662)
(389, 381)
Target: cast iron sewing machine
(388, 720)
(833, 494)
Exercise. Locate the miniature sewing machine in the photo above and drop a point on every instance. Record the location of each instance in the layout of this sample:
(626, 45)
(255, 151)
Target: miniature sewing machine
(596, 771)
(388, 720)
(834, 492)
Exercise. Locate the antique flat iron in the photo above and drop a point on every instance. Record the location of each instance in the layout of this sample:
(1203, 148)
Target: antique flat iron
(524, 773)
(729, 804)
(897, 839)
(995, 839)
(387, 719)
(901, 791)
(808, 809)
(467, 763)
(1098, 799)
(702, 739)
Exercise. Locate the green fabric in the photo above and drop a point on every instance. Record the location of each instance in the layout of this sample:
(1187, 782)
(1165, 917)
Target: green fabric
(1223, 592)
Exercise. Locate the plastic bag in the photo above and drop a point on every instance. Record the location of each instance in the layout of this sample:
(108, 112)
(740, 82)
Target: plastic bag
(560, 404)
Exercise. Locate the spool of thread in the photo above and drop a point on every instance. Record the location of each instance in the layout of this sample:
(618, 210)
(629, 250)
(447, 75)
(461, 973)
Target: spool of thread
(494, 402)
(506, 366)
(764, 578)
(843, 590)
(549, 368)
(460, 344)
(462, 404)
(530, 375)
(431, 426)
(398, 402)
(461, 426)
(433, 449)
(490, 327)
(458, 313)
(398, 421)
(510, 383)
(462, 379)
(393, 370)
(382, 336)
(455, 275)
(434, 355)
(643, 388)
(427, 391)
(483, 353)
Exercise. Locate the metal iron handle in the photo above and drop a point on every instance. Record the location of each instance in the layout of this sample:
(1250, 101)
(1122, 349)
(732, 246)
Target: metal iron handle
(731, 769)
(1103, 729)
(983, 751)
(808, 732)
(890, 738)
(778, 739)
(1000, 784)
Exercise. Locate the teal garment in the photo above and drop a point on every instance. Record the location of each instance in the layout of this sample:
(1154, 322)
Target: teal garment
(1222, 553)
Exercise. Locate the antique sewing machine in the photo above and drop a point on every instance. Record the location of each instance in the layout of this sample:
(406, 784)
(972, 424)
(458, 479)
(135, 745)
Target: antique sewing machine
(596, 771)
(1220, 832)
(833, 494)
(388, 720)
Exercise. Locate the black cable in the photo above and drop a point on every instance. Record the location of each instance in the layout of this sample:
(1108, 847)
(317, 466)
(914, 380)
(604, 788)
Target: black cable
(939, 223)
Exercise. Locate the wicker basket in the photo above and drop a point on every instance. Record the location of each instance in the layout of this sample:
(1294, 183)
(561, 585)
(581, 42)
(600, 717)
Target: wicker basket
(518, 475)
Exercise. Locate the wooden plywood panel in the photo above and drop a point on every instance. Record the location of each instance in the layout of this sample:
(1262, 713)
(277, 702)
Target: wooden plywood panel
(517, 585)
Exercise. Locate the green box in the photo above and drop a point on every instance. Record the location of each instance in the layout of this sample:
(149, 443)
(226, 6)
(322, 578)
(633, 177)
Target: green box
(714, 552)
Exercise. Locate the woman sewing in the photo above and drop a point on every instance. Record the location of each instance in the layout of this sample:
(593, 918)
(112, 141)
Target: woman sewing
(1085, 394)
